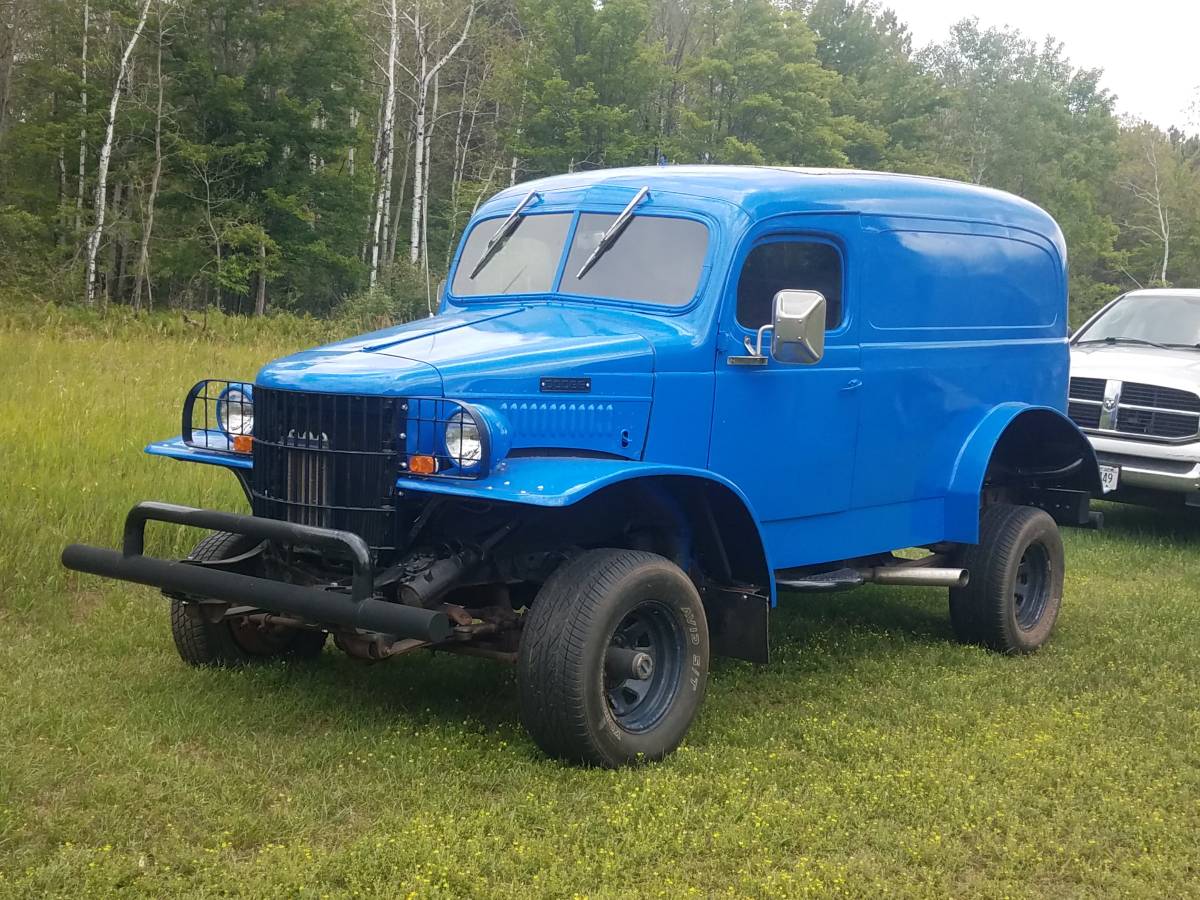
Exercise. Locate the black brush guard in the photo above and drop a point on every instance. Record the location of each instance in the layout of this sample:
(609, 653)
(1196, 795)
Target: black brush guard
(359, 609)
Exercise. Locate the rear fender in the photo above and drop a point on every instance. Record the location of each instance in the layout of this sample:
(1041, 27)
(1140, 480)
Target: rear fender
(1027, 447)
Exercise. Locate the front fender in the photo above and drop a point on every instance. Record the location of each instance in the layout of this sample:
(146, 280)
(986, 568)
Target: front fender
(1049, 427)
(555, 480)
(559, 481)
(177, 448)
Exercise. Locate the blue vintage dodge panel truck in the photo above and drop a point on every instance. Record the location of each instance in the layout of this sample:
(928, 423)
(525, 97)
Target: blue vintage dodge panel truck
(651, 400)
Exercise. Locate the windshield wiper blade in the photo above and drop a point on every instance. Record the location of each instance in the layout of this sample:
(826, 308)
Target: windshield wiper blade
(507, 227)
(1124, 340)
(614, 231)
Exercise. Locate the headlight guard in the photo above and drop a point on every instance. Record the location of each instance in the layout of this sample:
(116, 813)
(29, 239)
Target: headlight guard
(219, 415)
(450, 439)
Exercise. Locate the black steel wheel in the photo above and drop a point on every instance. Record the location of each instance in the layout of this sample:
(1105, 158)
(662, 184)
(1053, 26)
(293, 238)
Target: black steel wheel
(1031, 591)
(614, 659)
(643, 666)
(202, 642)
(1015, 590)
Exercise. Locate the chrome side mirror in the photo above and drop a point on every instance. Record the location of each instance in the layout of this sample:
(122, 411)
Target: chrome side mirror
(797, 331)
(798, 327)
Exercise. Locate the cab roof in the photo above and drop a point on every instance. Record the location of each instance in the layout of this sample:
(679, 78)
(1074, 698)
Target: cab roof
(761, 191)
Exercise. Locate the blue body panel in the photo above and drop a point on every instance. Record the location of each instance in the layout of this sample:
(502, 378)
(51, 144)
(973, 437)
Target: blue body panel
(954, 323)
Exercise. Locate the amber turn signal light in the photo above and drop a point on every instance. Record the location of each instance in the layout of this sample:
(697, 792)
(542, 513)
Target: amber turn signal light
(243, 443)
(422, 465)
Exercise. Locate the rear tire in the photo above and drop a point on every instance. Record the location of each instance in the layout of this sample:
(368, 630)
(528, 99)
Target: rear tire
(201, 642)
(1015, 590)
(587, 693)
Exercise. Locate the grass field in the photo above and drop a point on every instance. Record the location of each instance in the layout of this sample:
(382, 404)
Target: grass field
(873, 757)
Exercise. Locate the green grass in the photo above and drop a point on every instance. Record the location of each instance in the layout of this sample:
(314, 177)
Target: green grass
(872, 757)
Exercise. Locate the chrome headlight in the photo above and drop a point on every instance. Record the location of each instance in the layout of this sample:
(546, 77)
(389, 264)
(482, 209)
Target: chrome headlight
(235, 411)
(464, 444)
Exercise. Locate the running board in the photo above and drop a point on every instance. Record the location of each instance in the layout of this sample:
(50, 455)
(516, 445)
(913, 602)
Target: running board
(845, 579)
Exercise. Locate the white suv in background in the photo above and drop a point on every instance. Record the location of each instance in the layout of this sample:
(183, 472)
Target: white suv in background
(1135, 390)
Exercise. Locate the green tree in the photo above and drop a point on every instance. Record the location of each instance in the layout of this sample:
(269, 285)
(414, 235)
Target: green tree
(1155, 196)
(249, 167)
(586, 78)
(1023, 119)
(757, 92)
(268, 120)
(882, 85)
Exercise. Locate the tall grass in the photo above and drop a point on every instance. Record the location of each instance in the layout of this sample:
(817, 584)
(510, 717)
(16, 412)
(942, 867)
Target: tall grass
(872, 757)
(75, 413)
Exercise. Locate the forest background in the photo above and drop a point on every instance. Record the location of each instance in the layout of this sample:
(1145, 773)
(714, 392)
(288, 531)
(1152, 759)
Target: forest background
(319, 156)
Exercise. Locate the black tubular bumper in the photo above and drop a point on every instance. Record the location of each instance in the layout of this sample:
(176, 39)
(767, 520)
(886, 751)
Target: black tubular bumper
(359, 609)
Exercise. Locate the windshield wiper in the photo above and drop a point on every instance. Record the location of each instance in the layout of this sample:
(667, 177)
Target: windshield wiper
(614, 231)
(503, 233)
(1124, 340)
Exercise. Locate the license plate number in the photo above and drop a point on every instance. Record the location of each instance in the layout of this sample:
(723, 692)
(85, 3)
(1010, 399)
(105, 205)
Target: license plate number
(1110, 477)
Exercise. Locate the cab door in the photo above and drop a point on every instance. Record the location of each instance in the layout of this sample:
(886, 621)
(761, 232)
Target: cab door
(785, 433)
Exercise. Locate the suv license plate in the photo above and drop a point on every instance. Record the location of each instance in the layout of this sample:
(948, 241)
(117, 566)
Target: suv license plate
(1110, 477)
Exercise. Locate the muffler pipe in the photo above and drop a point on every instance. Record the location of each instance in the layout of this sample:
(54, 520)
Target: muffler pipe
(925, 576)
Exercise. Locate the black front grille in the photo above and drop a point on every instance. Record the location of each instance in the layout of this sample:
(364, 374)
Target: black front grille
(1155, 423)
(1084, 402)
(1085, 415)
(1087, 389)
(1159, 397)
(328, 460)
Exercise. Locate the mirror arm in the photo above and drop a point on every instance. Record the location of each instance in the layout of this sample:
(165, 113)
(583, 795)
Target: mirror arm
(756, 349)
(754, 352)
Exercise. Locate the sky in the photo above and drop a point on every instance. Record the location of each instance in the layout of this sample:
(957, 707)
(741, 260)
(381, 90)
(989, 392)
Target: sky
(1149, 49)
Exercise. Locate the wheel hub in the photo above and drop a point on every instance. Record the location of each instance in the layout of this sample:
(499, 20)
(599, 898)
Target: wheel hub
(643, 665)
(621, 663)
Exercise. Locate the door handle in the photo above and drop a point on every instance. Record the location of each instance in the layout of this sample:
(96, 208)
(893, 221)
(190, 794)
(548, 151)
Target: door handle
(853, 384)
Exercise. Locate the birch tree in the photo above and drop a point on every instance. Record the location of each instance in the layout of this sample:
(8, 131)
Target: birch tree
(97, 232)
(464, 133)
(400, 193)
(83, 114)
(427, 66)
(1150, 195)
(142, 278)
(10, 46)
(385, 154)
(1158, 178)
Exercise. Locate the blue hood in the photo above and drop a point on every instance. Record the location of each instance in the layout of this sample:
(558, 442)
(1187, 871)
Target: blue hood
(499, 357)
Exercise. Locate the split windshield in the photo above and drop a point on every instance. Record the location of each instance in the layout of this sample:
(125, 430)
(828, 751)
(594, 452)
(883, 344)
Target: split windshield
(654, 259)
(1169, 320)
(524, 263)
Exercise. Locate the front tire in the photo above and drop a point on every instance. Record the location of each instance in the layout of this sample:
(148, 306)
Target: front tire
(1015, 590)
(613, 660)
(202, 642)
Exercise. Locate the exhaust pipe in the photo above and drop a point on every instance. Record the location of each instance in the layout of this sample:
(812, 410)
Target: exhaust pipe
(309, 603)
(926, 576)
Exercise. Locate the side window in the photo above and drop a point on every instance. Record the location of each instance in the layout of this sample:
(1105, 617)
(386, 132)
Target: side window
(789, 265)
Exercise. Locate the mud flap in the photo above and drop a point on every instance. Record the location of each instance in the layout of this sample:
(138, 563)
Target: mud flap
(737, 623)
